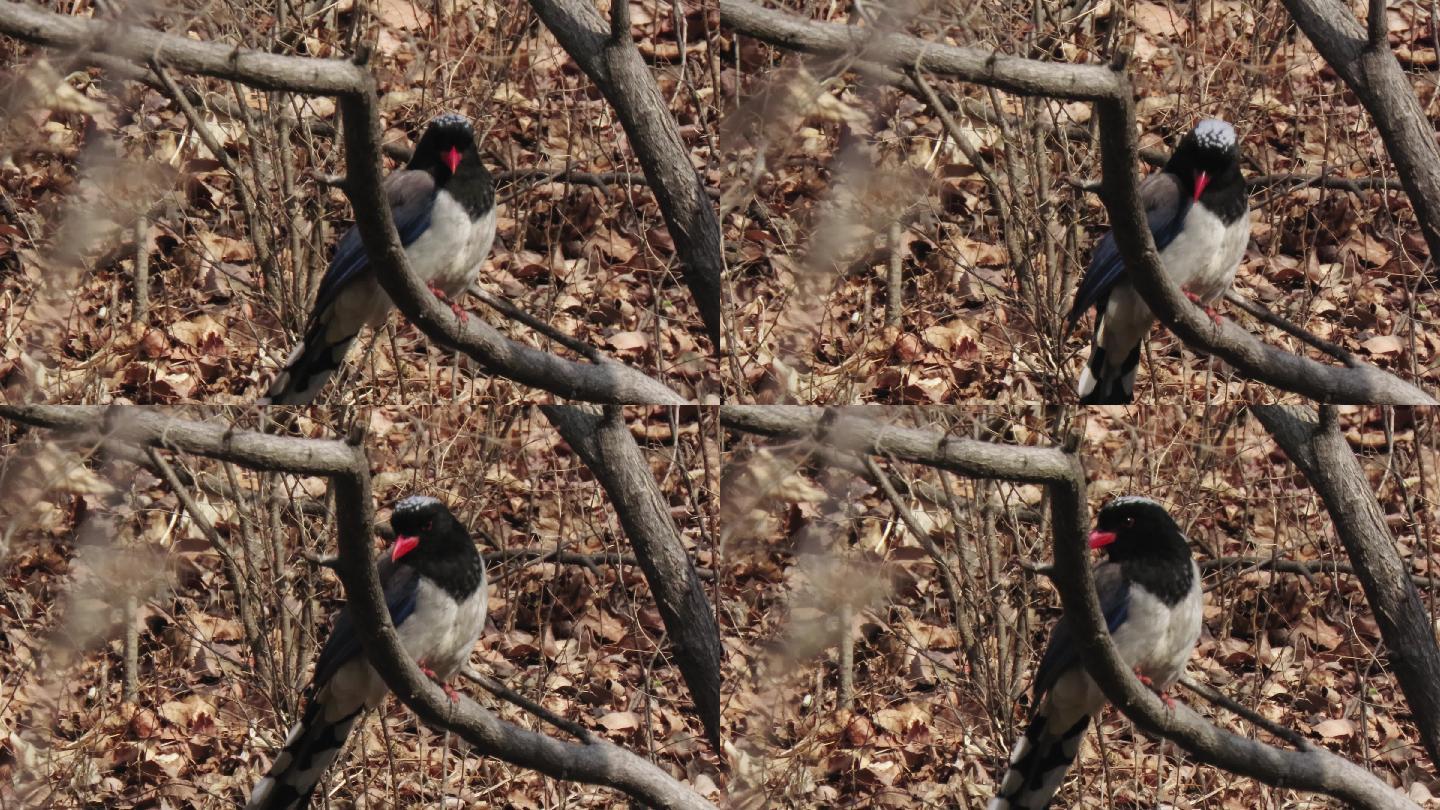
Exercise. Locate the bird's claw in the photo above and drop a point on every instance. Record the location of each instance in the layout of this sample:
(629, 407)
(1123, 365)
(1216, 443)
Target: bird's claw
(455, 307)
(449, 690)
(1161, 693)
(1209, 310)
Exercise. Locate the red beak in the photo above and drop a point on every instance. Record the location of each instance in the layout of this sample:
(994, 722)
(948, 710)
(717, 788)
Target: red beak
(1099, 539)
(452, 159)
(404, 545)
(1201, 181)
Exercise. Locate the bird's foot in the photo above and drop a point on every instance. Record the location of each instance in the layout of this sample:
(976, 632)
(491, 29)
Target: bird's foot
(449, 690)
(455, 307)
(1161, 693)
(1209, 310)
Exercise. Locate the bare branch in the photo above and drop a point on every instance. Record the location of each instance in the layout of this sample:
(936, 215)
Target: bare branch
(611, 60)
(1305, 568)
(1323, 456)
(1368, 67)
(608, 449)
(89, 38)
(147, 427)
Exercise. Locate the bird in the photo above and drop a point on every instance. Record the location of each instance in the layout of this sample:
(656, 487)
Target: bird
(443, 203)
(1199, 219)
(1149, 589)
(435, 590)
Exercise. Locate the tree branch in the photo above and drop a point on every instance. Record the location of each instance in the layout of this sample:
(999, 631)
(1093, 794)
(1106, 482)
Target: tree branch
(86, 38)
(611, 60)
(1368, 67)
(608, 449)
(1026, 77)
(1323, 456)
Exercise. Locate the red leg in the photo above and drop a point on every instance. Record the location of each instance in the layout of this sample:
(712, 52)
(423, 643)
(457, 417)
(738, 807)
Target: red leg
(1195, 299)
(454, 307)
(430, 673)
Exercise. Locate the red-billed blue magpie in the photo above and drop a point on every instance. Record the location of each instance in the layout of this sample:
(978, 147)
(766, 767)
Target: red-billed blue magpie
(443, 203)
(1200, 221)
(1149, 588)
(435, 590)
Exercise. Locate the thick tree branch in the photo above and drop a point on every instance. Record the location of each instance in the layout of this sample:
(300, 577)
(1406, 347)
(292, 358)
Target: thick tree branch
(147, 427)
(608, 449)
(88, 38)
(611, 60)
(1368, 67)
(1315, 769)
(847, 430)
(1027, 77)
(1324, 457)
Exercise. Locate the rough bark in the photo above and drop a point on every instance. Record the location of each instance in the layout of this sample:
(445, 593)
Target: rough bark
(1320, 451)
(608, 449)
(1369, 69)
(609, 57)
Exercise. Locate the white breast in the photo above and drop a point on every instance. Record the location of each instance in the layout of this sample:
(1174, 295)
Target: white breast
(1205, 255)
(442, 632)
(451, 250)
(1158, 639)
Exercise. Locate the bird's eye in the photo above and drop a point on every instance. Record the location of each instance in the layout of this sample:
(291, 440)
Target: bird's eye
(428, 524)
(1128, 522)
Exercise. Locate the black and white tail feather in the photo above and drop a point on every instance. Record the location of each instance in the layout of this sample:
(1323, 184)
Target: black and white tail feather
(313, 744)
(1038, 765)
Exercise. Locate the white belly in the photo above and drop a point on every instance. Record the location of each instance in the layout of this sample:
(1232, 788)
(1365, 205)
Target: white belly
(1192, 259)
(1154, 639)
(451, 250)
(448, 255)
(441, 632)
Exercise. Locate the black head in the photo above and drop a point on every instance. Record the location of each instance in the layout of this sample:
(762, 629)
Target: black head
(425, 531)
(1131, 527)
(448, 144)
(1209, 156)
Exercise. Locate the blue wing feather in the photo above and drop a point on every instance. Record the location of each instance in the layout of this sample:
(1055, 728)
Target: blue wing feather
(401, 585)
(1107, 268)
(412, 200)
(1062, 654)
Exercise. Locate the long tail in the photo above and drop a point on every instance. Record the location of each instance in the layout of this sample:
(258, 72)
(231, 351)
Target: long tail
(313, 744)
(1109, 375)
(1038, 765)
(309, 367)
(1104, 384)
